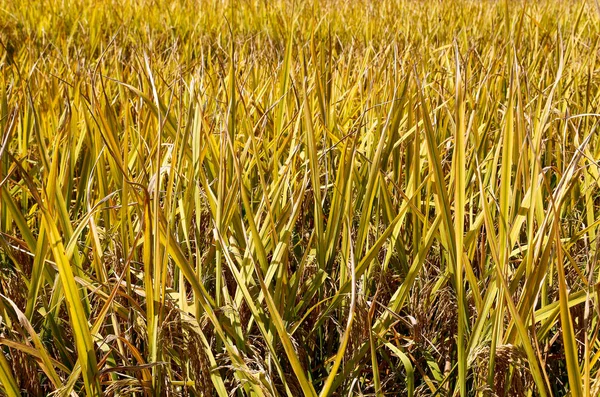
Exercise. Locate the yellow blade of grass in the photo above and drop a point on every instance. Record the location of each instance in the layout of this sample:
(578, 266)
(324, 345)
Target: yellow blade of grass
(458, 169)
(7, 380)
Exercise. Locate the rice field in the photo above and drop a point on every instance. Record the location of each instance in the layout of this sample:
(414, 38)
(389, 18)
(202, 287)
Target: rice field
(299, 198)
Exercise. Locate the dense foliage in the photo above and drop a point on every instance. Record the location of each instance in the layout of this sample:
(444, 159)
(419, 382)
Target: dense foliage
(285, 198)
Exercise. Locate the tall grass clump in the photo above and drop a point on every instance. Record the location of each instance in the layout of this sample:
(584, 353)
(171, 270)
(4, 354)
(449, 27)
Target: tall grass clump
(286, 198)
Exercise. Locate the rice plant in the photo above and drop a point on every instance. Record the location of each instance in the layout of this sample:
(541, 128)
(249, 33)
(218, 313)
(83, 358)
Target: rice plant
(287, 198)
